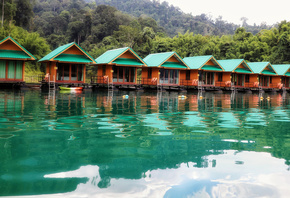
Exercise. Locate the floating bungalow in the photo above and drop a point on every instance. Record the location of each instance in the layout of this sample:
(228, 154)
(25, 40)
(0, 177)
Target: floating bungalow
(66, 65)
(12, 62)
(264, 75)
(284, 74)
(205, 71)
(236, 73)
(118, 68)
(166, 69)
(124, 68)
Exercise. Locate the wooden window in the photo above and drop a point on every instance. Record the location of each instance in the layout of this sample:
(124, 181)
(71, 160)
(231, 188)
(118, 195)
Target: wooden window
(121, 74)
(74, 70)
(220, 77)
(132, 74)
(115, 74)
(104, 70)
(240, 79)
(69, 72)
(187, 75)
(11, 70)
(2, 69)
(80, 73)
(149, 73)
(247, 78)
(168, 76)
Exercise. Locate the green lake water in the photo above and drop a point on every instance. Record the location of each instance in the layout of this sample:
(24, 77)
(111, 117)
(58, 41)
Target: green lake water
(145, 144)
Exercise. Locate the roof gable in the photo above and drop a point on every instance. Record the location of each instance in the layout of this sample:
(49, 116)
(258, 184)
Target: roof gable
(207, 62)
(116, 56)
(281, 69)
(17, 51)
(59, 54)
(235, 65)
(166, 60)
(262, 68)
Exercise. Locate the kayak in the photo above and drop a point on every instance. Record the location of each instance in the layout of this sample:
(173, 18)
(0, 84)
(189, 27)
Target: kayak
(71, 88)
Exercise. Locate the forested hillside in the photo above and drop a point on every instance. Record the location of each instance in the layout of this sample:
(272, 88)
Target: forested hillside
(175, 21)
(43, 25)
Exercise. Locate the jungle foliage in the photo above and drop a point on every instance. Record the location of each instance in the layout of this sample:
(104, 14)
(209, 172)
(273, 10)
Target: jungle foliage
(144, 25)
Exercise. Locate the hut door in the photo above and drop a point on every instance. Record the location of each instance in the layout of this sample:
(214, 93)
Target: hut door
(240, 79)
(234, 79)
(132, 74)
(161, 76)
(115, 74)
(199, 75)
(208, 78)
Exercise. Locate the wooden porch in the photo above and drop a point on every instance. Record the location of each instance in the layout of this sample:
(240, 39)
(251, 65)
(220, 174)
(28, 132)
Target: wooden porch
(104, 82)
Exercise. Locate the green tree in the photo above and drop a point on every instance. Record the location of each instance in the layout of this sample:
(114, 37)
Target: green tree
(23, 13)
(35, 44)
(8, 10)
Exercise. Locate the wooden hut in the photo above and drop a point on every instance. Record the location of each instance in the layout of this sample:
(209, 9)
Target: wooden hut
(205, 70)
(166, 69)
(284, 75)
(12, 61)
(236, 73)
(264, 75)
(66, 65)
(118, 67)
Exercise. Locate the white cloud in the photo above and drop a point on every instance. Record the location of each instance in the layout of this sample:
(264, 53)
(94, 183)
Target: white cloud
(257, 11)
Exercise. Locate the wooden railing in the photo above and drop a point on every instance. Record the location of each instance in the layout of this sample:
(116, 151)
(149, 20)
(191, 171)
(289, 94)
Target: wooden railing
(148, 81)
(187, 82)
(154, 81)
(98, 80)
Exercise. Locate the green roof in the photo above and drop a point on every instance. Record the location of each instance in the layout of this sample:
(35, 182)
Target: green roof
(259, 67)
(268, 72)
(174, 65)
(112, 56)
(287, 74)
(281, 69)
(73, 58)
(242, 70)
(127, 61)
(197, 62)
(13, 54)
(211, 68)
(30, 56)
(161, 60)
(54, 55)
(231, 65)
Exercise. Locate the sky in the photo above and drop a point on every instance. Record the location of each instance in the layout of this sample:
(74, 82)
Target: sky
(256, 11)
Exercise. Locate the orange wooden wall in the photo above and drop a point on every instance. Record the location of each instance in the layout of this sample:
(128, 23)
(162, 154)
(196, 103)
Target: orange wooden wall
(276, 80)
(209, 63)
(9, 45)
(155, 72)
(182, 75)
(144, 73)
(226, 76)
(73, 50)
(194, 74)
(254, 78)
(128, 55)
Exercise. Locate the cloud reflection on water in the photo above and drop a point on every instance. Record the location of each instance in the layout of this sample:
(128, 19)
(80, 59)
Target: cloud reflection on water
(222, 178)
